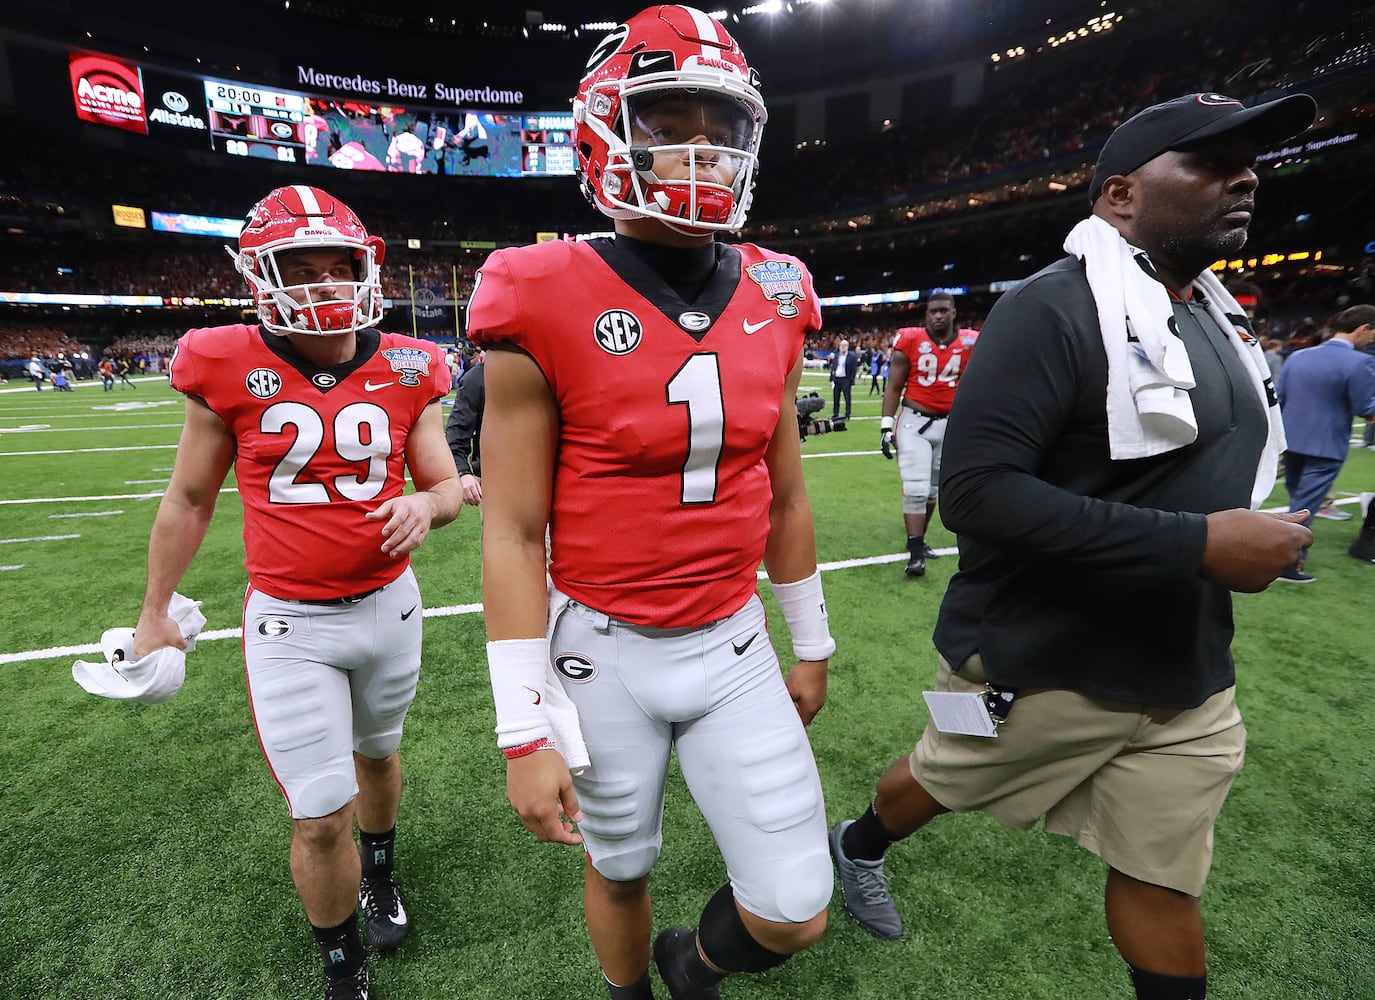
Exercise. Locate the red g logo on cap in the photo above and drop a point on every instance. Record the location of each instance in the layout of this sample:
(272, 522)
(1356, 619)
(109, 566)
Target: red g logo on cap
(1217, 100)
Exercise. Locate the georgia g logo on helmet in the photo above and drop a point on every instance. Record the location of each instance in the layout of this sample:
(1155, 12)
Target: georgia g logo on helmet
(665, 94)
(300, 218)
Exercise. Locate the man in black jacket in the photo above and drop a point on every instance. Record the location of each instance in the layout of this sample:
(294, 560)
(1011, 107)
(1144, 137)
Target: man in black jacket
(1089, 626)
(464, 432)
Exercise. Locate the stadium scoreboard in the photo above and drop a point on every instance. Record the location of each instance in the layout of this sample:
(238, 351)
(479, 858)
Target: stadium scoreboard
(253, 121)
(289, 126)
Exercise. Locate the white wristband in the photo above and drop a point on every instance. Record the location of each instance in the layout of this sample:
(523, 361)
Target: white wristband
(885, 423)
(518, 668)
(804, 609)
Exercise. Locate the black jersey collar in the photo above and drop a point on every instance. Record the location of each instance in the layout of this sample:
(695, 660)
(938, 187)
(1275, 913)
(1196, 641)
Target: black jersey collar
(642, 266)
(324, 379)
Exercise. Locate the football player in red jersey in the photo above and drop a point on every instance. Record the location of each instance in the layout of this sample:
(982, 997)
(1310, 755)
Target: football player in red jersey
(320, 416)
(925, 369)
(640, 404)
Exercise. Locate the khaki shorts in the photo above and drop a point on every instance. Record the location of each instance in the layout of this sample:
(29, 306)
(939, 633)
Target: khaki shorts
(1139, 787)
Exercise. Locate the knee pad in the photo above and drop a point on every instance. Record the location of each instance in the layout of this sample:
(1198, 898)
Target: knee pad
(625, 865)
(804, 887)
(378, 746)
(913, 503)
(322, 795)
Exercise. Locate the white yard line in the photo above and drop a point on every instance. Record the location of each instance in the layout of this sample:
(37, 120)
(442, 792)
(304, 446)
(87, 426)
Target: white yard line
(54, 652)
(88, 451)
(39, 538)
(91, 513)
(82, 430)
(108, 496)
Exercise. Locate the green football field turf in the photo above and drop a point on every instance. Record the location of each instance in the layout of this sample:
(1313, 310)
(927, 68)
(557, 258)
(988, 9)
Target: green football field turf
(143, 849)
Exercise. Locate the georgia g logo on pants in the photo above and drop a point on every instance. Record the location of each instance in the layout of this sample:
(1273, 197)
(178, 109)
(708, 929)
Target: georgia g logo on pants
(273, 629)
(575, 667)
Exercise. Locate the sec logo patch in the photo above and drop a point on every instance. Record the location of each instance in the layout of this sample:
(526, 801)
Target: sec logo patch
(617, 331)
(263, 383)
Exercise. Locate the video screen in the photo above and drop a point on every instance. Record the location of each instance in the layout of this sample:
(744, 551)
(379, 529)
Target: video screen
(351, 135)
(244, 119)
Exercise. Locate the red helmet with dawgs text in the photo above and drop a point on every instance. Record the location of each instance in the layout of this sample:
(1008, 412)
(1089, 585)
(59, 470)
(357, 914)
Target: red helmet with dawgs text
(670, 83)
(301, 218)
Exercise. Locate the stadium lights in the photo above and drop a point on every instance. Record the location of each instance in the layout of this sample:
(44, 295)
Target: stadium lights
(552, 26)
(719, 15)
(767, 7)
(599, 25)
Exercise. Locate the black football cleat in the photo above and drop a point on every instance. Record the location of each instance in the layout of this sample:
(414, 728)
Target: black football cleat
(354, 987)
(671, 952)
(929, 553)
(384, 917)
(916, 567)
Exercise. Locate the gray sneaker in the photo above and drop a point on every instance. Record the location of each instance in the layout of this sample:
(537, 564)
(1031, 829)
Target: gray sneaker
(864, 889)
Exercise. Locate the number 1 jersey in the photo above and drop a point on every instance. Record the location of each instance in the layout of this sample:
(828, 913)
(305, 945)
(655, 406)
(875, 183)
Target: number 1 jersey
(661, 495)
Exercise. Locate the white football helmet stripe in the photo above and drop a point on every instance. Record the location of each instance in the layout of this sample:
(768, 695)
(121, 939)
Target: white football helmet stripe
(308, 200)
(706, 28)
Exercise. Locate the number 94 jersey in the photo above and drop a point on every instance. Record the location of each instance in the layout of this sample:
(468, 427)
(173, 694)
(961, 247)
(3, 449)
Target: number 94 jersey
(935, 368)
(316, 449)
(661, 495)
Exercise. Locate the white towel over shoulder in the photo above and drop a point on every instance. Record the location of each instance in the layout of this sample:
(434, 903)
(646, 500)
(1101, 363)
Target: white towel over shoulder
(1149, 411)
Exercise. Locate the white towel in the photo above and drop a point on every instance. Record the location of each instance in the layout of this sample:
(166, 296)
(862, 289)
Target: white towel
(152, 678)
(562, 713)
(1149, 375)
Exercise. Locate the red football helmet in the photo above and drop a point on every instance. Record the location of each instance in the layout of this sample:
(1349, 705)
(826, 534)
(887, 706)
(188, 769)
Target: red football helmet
(665, 79)
(306, 218)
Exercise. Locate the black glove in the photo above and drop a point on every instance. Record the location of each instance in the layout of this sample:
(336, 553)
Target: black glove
(886, 443)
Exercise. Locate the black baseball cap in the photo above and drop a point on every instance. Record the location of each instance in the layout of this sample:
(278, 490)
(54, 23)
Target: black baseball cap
(1193, 118)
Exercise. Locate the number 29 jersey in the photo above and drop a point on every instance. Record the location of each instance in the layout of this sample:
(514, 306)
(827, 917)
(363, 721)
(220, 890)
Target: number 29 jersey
(661, 494)
(316, 449)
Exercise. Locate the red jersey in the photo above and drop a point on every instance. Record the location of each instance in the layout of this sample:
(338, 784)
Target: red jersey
(934, 368)
(316, 449)
(661, 495)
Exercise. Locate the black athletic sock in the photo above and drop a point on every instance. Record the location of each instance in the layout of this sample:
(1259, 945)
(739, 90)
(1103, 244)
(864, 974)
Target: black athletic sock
(1154, 986)
(638, 990)
(377, 851)
(724, 938)
(341, 948)
(916, 545)
(867, 838)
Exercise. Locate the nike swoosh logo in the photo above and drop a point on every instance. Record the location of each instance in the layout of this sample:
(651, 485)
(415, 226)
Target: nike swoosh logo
(756, 327)
(538, 697)
(398, 918)
(409, 613)
(740, 649)
(369, 387)
(644, 61)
